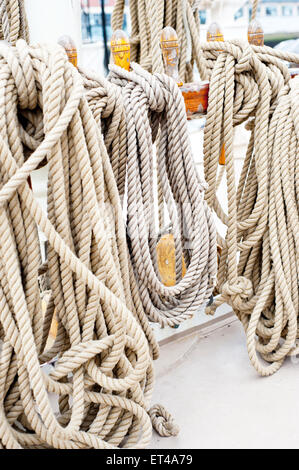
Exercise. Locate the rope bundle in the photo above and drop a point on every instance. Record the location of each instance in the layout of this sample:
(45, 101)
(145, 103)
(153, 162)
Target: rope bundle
(103, 375)
(259, 266)
(148, 18)
(13, 21)
(152, 104)
(258, 273)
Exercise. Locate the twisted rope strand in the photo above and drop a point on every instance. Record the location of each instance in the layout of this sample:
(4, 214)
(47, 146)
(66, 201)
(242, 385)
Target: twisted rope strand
(148, 103)
(258, 272)
(103, 350)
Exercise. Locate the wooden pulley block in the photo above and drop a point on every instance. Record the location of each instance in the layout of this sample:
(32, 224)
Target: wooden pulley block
(70, 48)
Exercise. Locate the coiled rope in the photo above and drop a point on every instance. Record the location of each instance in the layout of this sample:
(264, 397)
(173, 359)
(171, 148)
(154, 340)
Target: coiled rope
(259, 266)
(258, 273)
(13, 21)
(103, 376)
(149, 105)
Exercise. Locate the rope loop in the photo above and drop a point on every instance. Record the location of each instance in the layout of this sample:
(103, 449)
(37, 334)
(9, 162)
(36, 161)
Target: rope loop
(103, 349)
(30, 90)
(21, 68)
(163, 422)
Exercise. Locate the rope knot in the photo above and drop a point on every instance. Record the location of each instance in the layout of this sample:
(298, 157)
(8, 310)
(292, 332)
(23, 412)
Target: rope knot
(163, 422)
(240, 291)
(146, 81)
(245, 59)
(113, 94)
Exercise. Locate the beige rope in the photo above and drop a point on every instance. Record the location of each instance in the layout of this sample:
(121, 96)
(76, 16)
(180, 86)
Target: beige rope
(163, 422)
(147, 104)
(103, 374)
(255, 275)
(258, 273)
(13, 21)
(255, 4)
(148, 18)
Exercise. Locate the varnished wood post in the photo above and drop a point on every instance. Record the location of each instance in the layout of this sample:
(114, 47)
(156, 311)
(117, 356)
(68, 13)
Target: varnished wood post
(70, 48)
(214, 33)
(171, 53)
(195, 94)
(120, 48)
(255, 33)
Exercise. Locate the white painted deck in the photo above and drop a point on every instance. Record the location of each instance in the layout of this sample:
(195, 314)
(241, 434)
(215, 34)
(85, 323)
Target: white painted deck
(216, 397)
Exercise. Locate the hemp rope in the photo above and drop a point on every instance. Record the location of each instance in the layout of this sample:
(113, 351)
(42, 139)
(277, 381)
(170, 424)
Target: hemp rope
(259, 266)
(150, 105)
(103, 351)
(13, 21)
(148, 18)
(255, 4)
(246, 84)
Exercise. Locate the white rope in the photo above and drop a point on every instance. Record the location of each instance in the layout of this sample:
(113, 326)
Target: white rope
(152, 105)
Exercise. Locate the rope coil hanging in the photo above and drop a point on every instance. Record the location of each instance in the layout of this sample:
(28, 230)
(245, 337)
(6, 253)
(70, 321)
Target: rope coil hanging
(103, 375)
(152, 105)
(258, 272)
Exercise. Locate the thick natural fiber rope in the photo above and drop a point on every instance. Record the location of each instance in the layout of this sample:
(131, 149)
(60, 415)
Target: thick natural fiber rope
(258, 273)
(148, 18)
(255, 4)
(13, 21)
(104, 347)
(163, 422)
(147, 104)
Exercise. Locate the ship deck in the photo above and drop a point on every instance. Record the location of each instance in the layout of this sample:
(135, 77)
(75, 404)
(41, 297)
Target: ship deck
(217, 398)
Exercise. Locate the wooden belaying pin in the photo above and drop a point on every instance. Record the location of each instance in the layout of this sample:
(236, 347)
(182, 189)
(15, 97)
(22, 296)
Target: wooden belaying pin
(121, 50)
(195, 94)
(214, 33)
(171, 53)
(255, 33)
(70, 48)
